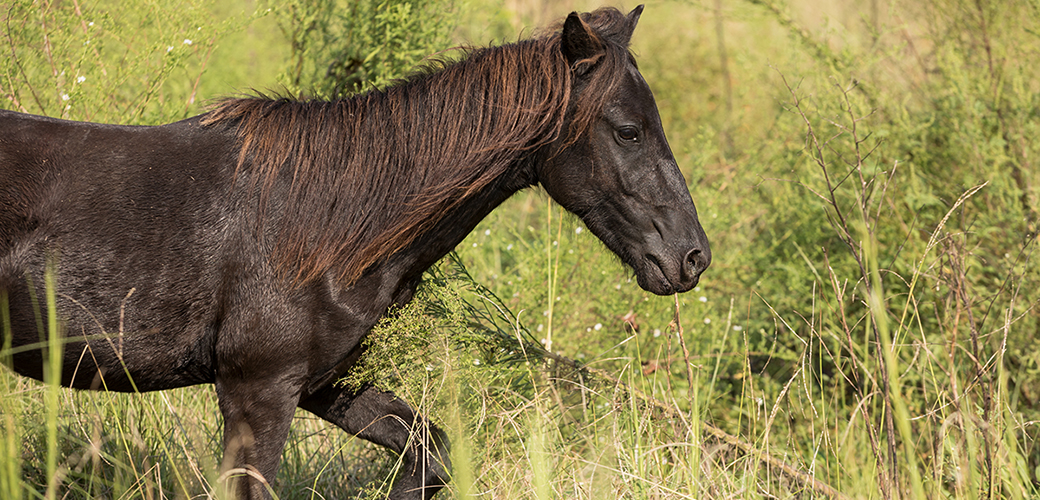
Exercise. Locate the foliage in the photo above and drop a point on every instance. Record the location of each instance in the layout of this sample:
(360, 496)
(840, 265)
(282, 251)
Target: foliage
(451, 320)
(108, 61)
(341, 47)
(872, 215)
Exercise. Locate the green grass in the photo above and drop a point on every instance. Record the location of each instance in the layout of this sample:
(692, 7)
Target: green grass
(869, 322)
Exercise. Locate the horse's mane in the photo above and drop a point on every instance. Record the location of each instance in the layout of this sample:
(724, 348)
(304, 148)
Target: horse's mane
(372, 172)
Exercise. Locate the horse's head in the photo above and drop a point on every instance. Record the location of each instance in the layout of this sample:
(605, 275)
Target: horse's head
(618, 174)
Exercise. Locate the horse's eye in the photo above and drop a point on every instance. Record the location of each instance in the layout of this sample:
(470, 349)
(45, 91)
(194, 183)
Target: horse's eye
(629, 134)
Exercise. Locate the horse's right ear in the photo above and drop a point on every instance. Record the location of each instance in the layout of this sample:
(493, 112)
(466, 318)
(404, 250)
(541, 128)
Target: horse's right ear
(580, 46)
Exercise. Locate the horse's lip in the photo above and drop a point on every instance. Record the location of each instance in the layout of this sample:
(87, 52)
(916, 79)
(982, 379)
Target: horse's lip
(654, 279)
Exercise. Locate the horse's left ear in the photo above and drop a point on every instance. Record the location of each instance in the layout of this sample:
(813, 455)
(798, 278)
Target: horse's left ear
(632, 19)
(580, 46)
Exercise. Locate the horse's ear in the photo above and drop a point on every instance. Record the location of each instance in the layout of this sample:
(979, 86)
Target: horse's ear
(633, 19)
(580, 46)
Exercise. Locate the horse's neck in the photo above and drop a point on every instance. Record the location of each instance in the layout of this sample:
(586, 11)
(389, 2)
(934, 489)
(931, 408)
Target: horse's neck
(444, 236)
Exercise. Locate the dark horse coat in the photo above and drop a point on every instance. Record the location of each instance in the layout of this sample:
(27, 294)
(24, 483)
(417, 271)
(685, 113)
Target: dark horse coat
(253, 247)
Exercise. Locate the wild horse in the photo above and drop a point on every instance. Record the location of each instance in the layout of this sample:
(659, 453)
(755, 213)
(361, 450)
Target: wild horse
(254, 246)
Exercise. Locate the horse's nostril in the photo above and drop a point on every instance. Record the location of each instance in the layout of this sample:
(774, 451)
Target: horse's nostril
(691, 257)
(694, 263)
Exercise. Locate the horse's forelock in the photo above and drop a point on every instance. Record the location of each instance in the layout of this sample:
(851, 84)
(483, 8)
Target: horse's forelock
(394, 162)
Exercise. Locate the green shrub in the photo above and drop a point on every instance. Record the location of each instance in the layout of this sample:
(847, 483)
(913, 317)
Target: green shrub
(342, 47)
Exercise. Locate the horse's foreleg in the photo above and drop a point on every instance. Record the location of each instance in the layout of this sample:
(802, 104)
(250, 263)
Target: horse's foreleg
(257, 415)
(384, 419)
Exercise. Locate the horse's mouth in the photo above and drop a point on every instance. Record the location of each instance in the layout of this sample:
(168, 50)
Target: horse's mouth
(654, 279)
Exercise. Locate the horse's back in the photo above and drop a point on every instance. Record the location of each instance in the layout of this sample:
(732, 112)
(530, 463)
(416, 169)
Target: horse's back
(24, 171)
(73, 182)
(132, 216)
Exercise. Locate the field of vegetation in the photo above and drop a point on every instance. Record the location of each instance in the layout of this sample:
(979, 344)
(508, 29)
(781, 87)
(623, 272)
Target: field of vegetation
(869, 328)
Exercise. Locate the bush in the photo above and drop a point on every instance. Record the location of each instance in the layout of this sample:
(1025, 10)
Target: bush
(341, 47)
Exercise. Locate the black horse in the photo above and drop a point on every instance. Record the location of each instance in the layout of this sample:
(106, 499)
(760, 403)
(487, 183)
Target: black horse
(254, 246)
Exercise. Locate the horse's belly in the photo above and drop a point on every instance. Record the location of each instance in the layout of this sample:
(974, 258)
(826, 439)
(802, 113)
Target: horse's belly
(127, 363)
(112, 340)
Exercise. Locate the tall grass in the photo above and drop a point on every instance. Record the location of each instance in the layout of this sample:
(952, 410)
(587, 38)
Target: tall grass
(869, 220)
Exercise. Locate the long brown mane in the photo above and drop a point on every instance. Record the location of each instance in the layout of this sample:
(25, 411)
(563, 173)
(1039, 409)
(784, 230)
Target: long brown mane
(372, 172)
